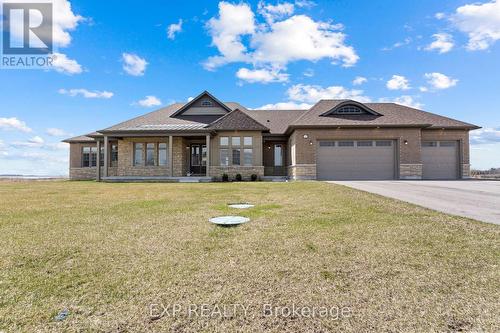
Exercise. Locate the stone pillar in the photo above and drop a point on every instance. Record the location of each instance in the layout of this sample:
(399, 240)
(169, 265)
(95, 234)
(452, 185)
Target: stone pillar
(170, 155)
(106, 155)
(98, 176)
(208, 155)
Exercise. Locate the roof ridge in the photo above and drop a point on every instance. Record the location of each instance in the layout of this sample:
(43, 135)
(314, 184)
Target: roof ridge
(142, 115)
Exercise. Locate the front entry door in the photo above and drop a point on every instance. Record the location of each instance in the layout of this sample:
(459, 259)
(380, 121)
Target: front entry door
(198, 159)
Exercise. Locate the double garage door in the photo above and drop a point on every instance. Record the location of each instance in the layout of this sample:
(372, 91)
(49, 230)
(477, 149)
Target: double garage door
(376, 160)
(356, 160)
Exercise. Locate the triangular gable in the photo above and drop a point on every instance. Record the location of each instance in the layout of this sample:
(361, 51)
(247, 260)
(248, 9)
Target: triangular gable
(203, 105)
(350, 107)
(237, 120)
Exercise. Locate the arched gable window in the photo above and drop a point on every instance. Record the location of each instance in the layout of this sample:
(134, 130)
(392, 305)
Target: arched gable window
(349, 109)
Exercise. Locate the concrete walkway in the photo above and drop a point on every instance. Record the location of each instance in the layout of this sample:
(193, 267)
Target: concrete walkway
(479, 200)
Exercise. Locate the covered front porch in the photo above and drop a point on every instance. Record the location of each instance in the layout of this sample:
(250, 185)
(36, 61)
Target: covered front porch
(168, 158)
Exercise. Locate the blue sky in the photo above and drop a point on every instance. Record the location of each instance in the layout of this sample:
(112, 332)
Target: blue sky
(117, 60)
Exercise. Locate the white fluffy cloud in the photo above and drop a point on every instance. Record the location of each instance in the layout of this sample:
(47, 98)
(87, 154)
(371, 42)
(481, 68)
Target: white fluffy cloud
(359, 80)
(275, 12)
(403, 100)
(277, 41)
(313, 93)
(34, 142)
(485, 136)
(14, 124)
(302, 96)
(261, 75)
(52, 131)
(440, 81)
(286, 106)
(149, 101)
(86, 93)
(62, 64)
(442, 43)
(174, 29)
(226, 31)
(133, 64)
(398, 82)
(481, 22)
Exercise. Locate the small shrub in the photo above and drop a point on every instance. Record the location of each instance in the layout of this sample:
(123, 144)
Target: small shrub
(225, 177)
(253, 177)
(238, 177)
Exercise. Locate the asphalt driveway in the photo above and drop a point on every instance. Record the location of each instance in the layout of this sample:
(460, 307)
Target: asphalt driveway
(479, 200)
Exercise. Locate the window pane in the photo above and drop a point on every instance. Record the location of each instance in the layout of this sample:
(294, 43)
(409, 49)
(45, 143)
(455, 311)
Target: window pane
(162, 153)
(247, 140)
(114, 155)
(93, 156)
(447, 143)
(346, 143)
(327, 143)
(383, 143)
(224, 157)
(278, 155)
(248, 157)
(86, 157)
(138, 158)
(235, 141)
(150, 154)
(365, 143)
(236, 156)
(101, 157)
(224, 141)
(204, 155)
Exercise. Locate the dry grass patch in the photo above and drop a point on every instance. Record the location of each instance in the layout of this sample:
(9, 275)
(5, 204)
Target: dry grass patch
(107, 252)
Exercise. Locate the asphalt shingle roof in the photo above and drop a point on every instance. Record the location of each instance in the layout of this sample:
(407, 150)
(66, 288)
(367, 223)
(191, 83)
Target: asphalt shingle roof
(278, 122)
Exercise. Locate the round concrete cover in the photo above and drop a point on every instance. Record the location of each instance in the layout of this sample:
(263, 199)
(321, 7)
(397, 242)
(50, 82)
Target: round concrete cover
(241, 205)
(229, 220)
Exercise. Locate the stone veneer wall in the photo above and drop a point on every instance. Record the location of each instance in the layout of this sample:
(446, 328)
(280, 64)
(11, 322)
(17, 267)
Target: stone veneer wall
(90, 173)
(410, 171)
(245, 171)
(302, 171)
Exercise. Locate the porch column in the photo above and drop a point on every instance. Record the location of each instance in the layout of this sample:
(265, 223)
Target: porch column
(106, 155)
(98, 177)
(208, 156)
(170, 155)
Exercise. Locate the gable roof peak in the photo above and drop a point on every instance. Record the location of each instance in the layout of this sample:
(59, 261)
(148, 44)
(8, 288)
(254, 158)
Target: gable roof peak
(199, 97)
(237, 120)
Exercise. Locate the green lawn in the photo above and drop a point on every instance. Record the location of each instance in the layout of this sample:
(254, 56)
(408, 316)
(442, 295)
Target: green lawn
(106, 252)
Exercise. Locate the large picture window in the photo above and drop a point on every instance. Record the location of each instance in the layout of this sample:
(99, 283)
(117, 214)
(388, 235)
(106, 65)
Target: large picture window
(114, 155)
(224, 157)
(247, 156)
(85, 157)
(93, 156)
(150, 154)
(162, 153)
(236, 156)
(138, 154)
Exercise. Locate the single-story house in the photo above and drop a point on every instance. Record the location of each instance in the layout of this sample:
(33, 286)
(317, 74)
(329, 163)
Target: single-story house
(334, 139)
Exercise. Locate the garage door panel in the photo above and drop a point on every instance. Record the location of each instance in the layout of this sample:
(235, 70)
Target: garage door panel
(363, 162)
(440, 159)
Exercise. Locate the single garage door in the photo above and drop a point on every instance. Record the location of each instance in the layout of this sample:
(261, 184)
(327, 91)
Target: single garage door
(357, 159)
(440, 159)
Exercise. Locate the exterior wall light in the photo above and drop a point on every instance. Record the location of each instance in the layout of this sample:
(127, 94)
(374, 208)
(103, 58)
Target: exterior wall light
(406, 142)
(306, 136)
(311, 143)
